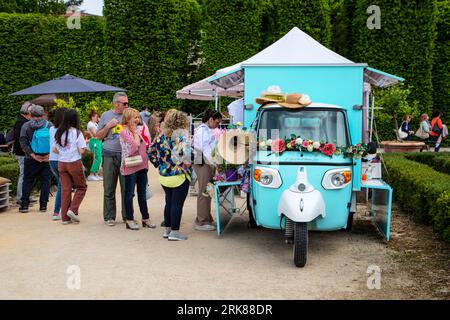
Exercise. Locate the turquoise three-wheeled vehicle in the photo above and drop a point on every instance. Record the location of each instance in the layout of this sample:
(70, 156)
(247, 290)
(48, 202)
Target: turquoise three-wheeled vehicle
(300, 191)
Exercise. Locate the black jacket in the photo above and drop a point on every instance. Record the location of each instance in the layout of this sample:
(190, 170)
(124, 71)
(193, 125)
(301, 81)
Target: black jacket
(17, 148)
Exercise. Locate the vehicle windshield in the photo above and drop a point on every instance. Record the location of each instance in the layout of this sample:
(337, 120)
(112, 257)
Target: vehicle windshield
(312, 124)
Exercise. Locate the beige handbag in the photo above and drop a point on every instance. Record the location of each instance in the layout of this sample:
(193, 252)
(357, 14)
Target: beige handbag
(134, 161)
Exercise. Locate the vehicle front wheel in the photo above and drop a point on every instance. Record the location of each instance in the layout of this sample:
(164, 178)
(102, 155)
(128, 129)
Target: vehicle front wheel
(300, 244)
(251, 220)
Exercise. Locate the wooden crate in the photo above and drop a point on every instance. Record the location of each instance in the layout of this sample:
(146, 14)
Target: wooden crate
(5, 202)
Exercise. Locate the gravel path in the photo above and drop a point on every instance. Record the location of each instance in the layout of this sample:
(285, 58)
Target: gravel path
(35, 254)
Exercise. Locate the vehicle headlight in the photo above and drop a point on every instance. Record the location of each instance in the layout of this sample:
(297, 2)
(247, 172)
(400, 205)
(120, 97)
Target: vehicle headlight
(337, 178)
(267, 177)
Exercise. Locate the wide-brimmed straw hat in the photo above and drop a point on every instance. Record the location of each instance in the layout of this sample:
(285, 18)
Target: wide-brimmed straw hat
(272, 94)
(296, 100)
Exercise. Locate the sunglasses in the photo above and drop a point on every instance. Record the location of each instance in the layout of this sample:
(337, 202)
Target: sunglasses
(124, 103)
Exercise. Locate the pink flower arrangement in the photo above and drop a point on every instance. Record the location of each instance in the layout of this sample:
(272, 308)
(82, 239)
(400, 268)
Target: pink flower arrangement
(278, 146)
(328, 149)
(305, 143)
(292, 143)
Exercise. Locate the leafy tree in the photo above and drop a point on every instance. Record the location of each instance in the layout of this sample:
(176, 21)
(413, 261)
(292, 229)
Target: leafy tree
(395, 104)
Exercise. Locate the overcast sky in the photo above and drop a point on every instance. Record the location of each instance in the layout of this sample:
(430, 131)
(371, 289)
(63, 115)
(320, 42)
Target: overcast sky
(93, 6)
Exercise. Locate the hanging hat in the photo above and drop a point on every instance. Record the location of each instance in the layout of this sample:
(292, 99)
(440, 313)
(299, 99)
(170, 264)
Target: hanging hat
(296, 100)
(272, 94)
(234, 148)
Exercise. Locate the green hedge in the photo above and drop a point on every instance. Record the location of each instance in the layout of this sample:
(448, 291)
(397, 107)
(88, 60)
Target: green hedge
(311, 16)
(438, 161)
(7, 159)
(11, 172)
(87, 158)
(420, 191)
(36, 48)
(441, 68)
(152, 48)
(404, 45)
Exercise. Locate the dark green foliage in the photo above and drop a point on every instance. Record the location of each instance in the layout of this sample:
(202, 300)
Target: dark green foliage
(342, 15)
(312, 17)
(33, 6)
(151, 48)
(11, 172)
(37, 48)
(231, 32)
(87, 158)
(439, 161)
(7, 159)
(403, 46)
(441, 68)
(420, 191)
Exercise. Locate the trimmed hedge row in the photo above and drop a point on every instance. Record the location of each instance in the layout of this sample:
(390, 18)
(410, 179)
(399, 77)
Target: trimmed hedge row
(438, 161)
(11, 172)
(420, 191)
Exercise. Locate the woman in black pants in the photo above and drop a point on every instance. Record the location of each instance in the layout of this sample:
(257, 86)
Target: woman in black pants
(170, 152)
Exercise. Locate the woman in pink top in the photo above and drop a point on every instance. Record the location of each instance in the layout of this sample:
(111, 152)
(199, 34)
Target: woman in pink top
(132, 145)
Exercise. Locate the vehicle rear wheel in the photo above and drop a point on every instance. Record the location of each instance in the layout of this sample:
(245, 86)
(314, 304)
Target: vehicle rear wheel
(300, 244)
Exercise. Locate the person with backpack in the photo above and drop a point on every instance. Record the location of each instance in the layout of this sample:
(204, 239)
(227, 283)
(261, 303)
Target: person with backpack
(35, 143)
(70, 145)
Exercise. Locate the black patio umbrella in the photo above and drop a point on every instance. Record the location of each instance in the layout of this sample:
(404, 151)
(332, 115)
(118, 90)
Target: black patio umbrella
(67, 84)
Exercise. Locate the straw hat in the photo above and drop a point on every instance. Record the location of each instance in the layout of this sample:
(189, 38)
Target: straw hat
(272, 94)
(233, 147)
(296, 100)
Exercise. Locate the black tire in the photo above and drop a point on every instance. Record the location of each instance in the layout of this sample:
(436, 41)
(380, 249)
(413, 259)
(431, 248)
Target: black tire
(251, 220)
(349, 222)
(300, 244)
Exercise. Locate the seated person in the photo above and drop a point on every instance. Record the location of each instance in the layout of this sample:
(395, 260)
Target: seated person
(406, 129)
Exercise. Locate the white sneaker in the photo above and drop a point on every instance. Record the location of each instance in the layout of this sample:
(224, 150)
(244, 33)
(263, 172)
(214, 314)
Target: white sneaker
(176, 236)
(205, 227)
(73, 216)
(99, 178)
(92, 178)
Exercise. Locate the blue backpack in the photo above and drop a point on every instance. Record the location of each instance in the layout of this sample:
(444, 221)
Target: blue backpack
(40, 144)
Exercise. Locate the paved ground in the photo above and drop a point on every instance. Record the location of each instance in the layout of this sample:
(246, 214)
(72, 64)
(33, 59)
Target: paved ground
(35, 254)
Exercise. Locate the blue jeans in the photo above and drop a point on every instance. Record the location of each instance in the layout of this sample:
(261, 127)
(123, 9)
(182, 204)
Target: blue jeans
(140, 180)
(54, 169)
(173, 210)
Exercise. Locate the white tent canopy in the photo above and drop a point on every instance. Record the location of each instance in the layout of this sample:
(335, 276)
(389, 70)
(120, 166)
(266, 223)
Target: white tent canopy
(296, 48)
(205, 90)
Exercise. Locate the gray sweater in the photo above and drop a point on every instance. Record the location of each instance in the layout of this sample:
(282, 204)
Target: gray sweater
(26, 134)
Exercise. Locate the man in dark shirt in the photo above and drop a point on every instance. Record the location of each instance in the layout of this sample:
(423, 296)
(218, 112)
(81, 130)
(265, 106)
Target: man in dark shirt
(24, 117)
(35, 164)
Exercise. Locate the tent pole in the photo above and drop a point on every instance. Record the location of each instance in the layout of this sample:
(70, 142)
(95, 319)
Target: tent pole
(216, 98)
(372, 118)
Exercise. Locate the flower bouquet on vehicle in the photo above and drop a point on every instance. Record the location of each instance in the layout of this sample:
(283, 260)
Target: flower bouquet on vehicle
(297, 143)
